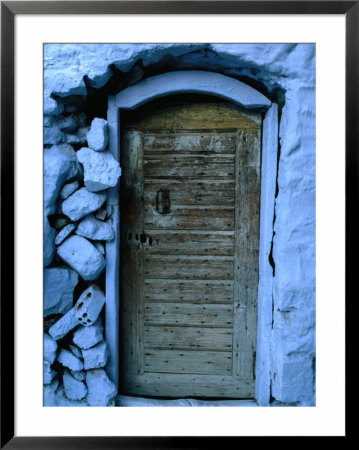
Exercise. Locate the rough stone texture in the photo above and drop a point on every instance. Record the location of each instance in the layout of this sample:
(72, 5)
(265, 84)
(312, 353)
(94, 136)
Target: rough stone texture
(64, 233)
(96, 357)
(99, 247)
(79, 375)
(50, 348)
(59, 285)
(286, 74)
(50, 393)
(69, 360)
(74, 389)
(82, 202)
(53, 136)
(95, 229)
(89, 305)
(67, 124)
(60, 164)
(62, 400)
(68, 189)
(82, 256)
(102, 171)
(64, 325)
(49, 242)
(97, 137)
(76, 350)
(49, 374)
(101, 390)
(87, 337)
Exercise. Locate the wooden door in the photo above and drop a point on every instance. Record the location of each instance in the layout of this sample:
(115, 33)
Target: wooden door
(189, 252)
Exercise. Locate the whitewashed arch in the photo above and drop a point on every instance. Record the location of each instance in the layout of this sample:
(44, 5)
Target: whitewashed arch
(230, 89)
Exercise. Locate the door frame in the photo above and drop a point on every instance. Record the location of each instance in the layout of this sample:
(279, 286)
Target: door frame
(210, 83)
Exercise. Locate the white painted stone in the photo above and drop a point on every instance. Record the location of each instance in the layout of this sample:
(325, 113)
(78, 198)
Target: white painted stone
(82, 202)
(59, 285)
(49, 374)
(49, 242)
(64, 233)
(96, 357)
(50, 393)
(89, 305)
(82, 256)
(125, 400)
(97, 137)
(68, 189)
(60, 165)
(101, 390)
(74, 389)
(51, 107)
(75, 350)
(50, 348)
(53, 136)
(69, 360)
(101, 170)
(64, 325)
(87, 337)
(62, 400)
(79, 375)
(95, 229)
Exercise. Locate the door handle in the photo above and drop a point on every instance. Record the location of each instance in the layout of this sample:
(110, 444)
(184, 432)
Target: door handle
(163, 203)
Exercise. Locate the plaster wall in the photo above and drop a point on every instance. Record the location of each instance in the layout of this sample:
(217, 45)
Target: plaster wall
(77, 76)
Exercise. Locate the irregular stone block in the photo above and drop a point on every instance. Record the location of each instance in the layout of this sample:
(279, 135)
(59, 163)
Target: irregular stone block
(64, 233)
(96, 357)
(101, 390)
(101, 170)
(69, 360)
(60, 165)
(82, 256)
(59, 285)
(49, 244)
(79, 375)
(63, 326)
(50, 348)
(87, 337)
(76, 351)
(97, 137)
(68, 189)
(95, 229)
(50, 393)
(51, 107)
(82, 202)
(89, 305)
(53, 136)
(74, 389)
(49, 374)
(62, 400)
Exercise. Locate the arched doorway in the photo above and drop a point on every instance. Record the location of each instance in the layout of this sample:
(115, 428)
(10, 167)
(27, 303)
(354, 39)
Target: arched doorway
(206, 346)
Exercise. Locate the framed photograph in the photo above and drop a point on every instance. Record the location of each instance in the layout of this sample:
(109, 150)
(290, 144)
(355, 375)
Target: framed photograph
(175, 183)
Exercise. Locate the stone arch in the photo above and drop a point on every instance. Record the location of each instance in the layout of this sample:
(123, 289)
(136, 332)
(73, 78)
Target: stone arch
(210, 83)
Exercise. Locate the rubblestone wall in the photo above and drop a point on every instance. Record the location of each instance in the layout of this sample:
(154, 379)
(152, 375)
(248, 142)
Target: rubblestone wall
(78, 170)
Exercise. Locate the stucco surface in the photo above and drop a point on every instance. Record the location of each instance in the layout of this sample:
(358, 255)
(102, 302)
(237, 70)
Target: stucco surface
(285, 73)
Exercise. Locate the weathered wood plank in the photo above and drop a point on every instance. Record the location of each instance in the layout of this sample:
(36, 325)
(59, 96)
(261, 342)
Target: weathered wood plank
(180, 385)
(190, 243)
(194, 291)
(131, 267)
(206, 193)
(187, 166)
(193, 267)
(187, 314)
(187, 338)
(190, 217)
(204, 142)
(187, 361)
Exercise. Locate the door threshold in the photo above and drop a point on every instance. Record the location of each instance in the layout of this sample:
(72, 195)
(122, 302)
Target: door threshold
(124, 400)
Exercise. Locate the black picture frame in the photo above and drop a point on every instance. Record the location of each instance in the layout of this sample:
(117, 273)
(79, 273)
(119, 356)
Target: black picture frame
(9, 10)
